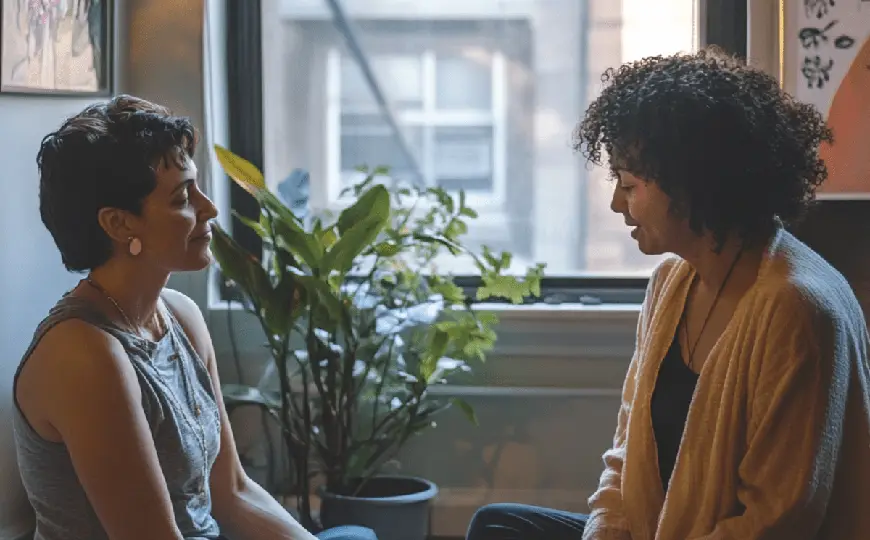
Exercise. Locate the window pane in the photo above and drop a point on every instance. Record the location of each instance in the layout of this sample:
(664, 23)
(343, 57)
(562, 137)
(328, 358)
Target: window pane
(371, 143)
(400, 77)
(464, 82)
(463, 158)
(486, 94)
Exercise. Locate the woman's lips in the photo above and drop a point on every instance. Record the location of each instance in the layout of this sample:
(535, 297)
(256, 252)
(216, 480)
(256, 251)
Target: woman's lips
(202, 237)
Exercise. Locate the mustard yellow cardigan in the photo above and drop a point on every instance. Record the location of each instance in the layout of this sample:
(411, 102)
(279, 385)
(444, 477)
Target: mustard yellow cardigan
(777, 440)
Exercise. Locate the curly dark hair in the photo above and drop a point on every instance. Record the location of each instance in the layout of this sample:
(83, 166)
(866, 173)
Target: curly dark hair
(732, 150)
(105, 156)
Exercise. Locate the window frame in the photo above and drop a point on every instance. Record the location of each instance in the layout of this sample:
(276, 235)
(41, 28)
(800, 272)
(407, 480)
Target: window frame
(428, 119)
(720, 22)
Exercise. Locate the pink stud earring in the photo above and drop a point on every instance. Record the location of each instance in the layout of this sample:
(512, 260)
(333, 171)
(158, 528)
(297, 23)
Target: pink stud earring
(134, 246)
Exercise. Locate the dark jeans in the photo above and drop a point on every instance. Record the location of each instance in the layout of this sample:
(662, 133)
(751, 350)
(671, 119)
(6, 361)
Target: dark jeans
(522, 522)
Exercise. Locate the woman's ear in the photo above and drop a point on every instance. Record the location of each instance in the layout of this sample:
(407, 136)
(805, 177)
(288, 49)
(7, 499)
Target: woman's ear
(116, 223)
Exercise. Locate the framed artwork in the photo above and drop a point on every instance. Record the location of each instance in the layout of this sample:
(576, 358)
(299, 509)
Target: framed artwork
(56, 47)
(825, 61)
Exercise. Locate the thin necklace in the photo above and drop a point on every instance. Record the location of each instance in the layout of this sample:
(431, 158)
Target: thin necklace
(709, 311)
(90, 281)
(192, 402)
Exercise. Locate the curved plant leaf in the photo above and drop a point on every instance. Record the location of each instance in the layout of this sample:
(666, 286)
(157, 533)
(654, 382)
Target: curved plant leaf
(242, 171)
(375, 201)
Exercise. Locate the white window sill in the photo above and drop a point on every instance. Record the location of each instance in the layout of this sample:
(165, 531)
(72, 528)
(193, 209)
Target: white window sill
(566, 311)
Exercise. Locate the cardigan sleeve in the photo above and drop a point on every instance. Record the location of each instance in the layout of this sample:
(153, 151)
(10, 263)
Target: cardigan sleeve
(607, 519)
(795, 424)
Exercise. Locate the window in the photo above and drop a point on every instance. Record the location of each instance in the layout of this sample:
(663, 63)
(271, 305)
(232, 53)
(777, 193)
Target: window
(477, 95)
(449, 106)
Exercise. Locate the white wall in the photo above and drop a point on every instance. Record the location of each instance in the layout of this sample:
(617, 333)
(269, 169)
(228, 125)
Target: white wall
(31, 274)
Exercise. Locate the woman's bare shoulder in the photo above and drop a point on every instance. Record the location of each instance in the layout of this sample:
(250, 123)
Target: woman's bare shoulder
(71, 358)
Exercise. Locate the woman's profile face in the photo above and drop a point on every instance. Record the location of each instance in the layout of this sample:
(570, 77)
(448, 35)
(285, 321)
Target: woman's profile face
(646, 208)
(174, 225)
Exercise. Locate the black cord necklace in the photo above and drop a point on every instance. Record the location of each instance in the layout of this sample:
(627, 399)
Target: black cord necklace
(709, 311)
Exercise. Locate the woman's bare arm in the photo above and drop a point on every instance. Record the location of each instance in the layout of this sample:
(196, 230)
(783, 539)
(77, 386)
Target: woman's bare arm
(79, 381)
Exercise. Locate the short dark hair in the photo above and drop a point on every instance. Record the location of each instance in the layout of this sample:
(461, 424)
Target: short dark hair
(732, 150)
(105, 156)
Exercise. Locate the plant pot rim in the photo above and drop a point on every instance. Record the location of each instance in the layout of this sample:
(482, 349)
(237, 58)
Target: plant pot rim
(429, 493)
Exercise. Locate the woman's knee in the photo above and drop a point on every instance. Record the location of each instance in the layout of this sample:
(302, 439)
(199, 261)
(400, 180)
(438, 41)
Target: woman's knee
(490, 518)
(348, 532)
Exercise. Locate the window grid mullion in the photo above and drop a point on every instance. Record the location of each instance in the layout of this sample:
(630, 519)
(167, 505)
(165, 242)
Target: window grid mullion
(429, 114)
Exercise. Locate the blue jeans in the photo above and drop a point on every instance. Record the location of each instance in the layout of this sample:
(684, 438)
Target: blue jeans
(522, 522)
(348, 532)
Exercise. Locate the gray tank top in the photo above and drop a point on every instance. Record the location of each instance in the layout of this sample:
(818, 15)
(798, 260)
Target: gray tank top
(179, 403)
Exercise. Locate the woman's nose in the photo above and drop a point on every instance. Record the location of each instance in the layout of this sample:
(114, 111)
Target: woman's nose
(618, 203)
(208, 211)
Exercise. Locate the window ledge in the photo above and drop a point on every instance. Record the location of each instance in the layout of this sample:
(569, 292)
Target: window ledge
(604, 331)
(576, 311)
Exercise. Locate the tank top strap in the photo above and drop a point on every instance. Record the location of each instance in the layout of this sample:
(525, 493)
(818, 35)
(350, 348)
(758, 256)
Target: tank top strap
(76, 307)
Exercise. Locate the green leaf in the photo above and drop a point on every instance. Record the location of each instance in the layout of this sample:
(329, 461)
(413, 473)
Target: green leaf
(352, 243)
(304, 245)
(466, 409)
(443, 198)
(437, 347)
(455, 229)
(453, 247)
(375, 201)
(273, 204)
(448, 290)
(495, 286)
(240, 266)
(328, 238)
(279, 306)
(387, 249)
(242, 171)
(256, 226)
(329, 301)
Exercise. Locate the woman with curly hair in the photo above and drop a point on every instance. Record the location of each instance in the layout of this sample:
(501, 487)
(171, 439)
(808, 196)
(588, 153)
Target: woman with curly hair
(746, 409)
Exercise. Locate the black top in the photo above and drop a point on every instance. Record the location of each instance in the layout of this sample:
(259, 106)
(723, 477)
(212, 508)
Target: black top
(670, 407)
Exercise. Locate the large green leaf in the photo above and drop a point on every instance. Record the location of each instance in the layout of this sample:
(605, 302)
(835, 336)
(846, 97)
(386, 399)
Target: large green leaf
(375, 201)
(242, 171)
(280, 305)
(304, 245)
(240, 266)
(352, 243)
(273, 204)
(437, 348)
(258, 227)
(246, 175)
(320, 292)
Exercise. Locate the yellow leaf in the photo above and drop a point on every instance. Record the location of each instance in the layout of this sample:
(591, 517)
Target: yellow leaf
(242, 171)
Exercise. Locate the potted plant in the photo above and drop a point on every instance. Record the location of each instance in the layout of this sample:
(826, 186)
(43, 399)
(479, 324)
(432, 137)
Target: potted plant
(360, 324)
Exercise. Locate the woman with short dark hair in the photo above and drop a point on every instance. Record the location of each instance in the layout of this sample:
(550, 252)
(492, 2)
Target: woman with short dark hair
(120, 427)
(746, 409)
